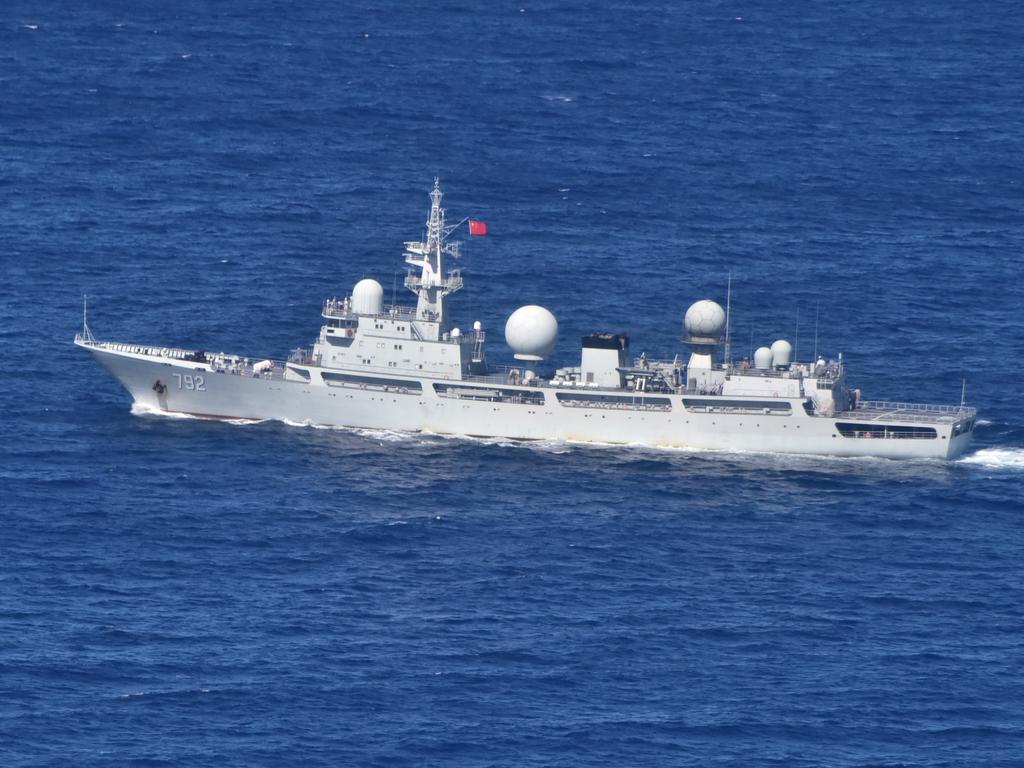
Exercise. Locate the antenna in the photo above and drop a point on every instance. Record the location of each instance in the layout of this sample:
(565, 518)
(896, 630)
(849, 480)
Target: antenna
(796, 336)
(963, 393)
(86, 333)
(728, 314)
(817, 307)
(450, 229)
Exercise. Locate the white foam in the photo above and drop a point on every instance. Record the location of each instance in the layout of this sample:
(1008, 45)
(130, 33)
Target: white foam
(172, 692)
(996, 458)
(138, 409)
(307, 424)
(383, 435)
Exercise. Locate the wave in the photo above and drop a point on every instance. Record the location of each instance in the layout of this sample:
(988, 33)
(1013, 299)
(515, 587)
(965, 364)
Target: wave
(138, 409)
(381, 435)
(996, 458)
(175, 692)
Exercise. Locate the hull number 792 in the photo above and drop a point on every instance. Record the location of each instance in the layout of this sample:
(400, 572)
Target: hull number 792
(188, 381)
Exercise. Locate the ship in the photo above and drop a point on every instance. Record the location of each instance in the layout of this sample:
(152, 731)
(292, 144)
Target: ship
(411, 369)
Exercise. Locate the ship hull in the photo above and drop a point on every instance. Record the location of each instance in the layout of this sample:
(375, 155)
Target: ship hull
(185, 387)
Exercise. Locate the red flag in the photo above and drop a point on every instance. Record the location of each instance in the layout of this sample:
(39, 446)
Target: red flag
(477, 227)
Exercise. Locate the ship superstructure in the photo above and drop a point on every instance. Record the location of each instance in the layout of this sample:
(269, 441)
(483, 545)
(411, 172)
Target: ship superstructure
(410, 368)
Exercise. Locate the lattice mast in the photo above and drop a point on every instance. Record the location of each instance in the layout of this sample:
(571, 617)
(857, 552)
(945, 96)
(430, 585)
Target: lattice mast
(432, 285)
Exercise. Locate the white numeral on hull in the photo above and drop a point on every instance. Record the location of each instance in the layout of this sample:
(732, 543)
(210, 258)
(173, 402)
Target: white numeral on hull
(190, 382)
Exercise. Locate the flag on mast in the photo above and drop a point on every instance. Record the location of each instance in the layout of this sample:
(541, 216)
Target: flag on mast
(477, 227)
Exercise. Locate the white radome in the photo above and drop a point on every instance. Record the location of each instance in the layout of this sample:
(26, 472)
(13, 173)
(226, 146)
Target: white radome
(763, 359)
(705, 318)
(530, 332)
(782, 353)
(368, 297)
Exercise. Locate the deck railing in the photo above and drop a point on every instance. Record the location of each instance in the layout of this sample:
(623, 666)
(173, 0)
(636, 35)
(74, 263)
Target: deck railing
(868, 410)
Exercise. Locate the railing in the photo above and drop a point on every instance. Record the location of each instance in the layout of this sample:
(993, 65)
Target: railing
(342, 308)
(888, 405)
(450, 284)
(238, 365)
(796, 370)
(499, 374)
(871, 410)
(173, 353)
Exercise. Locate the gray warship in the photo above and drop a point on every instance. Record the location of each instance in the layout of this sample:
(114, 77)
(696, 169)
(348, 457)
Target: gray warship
(411, 369)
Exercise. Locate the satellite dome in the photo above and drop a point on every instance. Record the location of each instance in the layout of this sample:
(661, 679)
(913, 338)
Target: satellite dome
(531, 332)
(763, 359)
(782, 353)
(368, 298)
(705, 319)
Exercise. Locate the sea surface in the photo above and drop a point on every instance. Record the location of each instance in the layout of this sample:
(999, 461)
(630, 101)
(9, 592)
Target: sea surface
(181, 592)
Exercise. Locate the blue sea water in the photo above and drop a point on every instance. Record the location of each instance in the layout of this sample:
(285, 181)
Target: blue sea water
(193, 593)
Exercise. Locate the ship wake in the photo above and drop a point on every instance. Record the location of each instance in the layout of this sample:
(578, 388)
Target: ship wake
(996, 458)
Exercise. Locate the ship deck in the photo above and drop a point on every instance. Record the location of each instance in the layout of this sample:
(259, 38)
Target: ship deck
(883, 410)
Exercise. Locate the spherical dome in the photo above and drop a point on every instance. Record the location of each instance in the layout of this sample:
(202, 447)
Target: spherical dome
(782, 353)
(705, 319)
(531, 332)
(763, 359)
(368, 298)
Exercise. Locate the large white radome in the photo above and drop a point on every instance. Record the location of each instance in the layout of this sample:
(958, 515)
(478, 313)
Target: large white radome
(531, 332)
(705, 318)
(782, 353)
(368, 297)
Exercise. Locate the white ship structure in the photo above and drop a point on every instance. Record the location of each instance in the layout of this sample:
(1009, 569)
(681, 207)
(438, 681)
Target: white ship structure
(411, 369)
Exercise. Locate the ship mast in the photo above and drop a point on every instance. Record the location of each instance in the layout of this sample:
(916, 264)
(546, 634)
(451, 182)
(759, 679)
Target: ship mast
(432, 285)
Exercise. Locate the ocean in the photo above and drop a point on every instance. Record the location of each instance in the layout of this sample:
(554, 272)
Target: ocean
(184, 592)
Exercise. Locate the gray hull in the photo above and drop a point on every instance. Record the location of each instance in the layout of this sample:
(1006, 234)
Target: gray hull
(186, 387)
